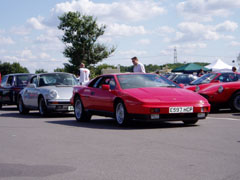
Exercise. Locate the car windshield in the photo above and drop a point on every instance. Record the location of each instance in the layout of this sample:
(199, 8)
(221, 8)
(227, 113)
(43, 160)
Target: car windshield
(130, 81)
(22, 80)
(58, 79)
(206, 78)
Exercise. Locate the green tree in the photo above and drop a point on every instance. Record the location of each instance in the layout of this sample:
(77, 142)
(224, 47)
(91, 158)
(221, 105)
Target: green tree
(81, 33)
(8, 68)
(38, 71)
(59, 70)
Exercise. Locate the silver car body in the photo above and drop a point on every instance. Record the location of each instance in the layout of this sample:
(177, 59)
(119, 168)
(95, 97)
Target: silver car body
(56, 95)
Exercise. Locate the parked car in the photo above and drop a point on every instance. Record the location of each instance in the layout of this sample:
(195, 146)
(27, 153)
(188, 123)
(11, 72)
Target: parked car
(47, 92)
(183, 78)
(10, 87)
(138, 96)
(223, 95)
(212, 78)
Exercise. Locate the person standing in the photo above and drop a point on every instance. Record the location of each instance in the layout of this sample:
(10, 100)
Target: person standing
(137, 66)
(84, 74)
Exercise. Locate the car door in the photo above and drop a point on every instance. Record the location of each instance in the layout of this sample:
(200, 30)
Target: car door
(7, 90)
(30, 94)
(102, 100)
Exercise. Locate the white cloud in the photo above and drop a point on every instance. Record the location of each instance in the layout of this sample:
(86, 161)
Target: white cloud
(227, 26)
(165, 30)
(124, 30)
(27, 53)
(131, 53)
(234, 43)
(21, 30)
(194, 31)
(6, 41)
(132, 10)
(202, 10)
(44, 55)
(144, 42)
(36, 23)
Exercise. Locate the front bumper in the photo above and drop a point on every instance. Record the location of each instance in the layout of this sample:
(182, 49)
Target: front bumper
(59, 105)
(169, 117)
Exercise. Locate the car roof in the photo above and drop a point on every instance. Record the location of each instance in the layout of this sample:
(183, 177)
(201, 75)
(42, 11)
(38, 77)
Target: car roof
(18, 74)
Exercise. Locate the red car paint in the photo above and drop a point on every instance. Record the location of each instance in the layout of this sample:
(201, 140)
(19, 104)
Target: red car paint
(212, 78)
(139, 100)
(223, 98)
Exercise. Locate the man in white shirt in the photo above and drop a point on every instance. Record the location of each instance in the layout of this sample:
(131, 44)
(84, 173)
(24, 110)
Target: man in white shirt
(138, 67)
(84, 74)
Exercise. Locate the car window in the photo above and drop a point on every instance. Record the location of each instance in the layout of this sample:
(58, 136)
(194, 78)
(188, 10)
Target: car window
(57, 79)
(4, 81)
(10, 81)
(34, 81)
(22, 80)
(228, 77)
(144, 80)
(106, 80)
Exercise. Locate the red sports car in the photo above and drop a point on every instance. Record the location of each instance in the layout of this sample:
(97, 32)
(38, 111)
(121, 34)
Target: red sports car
(210, 78)
(223, 95)
(138, 96)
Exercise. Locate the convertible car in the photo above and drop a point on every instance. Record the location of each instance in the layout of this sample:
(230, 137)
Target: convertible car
(212, 78)
(47, 92)
(136, 96)
(223, 95)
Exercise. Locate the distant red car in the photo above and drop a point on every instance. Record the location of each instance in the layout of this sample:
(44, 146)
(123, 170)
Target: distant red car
(208, 79)
(223, 95)
(138, 96)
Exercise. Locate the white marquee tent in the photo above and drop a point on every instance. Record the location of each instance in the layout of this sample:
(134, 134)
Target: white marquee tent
(219, 66)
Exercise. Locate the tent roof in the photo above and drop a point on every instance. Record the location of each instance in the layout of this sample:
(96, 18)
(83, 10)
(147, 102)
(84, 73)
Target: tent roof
(219, 65)
(191, 67)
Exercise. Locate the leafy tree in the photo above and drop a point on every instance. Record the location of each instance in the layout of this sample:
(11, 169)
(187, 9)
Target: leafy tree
(59, 70)
(38, 71)
(8, 68)
(81, 33)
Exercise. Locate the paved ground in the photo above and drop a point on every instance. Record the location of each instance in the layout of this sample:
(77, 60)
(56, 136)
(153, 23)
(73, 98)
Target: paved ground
(59, 148)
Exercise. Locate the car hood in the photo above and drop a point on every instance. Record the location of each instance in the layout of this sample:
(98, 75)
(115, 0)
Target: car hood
(64, 92)
(167, 95)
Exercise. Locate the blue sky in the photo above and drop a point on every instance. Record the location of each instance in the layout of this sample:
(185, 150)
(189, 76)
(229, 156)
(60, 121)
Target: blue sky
(201, 30)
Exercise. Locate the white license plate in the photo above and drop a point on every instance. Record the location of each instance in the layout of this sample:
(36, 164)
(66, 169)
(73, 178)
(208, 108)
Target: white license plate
(155, 116)
(187, 109)
(70, 108)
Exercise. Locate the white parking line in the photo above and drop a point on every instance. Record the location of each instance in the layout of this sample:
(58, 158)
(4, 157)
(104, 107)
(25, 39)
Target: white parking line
(228, 119)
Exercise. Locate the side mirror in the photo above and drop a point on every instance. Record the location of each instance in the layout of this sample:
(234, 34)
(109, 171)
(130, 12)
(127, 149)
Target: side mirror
(32, 85)
(106, 87)
(181, 85)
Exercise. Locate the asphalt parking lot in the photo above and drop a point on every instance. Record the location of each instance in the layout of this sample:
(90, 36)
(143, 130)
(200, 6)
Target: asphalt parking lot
(57, 147)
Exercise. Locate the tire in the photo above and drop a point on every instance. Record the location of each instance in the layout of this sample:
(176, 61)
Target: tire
(189, 122)
(80, 114)
(235, 102)
(21, 107)
(0, 105)
(121, 114)
(43, 111)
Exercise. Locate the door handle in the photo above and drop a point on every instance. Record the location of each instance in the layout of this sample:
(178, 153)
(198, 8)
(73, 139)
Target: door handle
(92, 93)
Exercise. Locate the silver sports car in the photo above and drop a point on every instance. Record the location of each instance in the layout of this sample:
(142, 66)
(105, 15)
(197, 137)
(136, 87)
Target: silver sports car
(47, 92)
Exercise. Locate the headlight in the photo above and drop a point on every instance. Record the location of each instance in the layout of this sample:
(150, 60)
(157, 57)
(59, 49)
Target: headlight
(52, 94)
(220, 89)
(197, 89)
